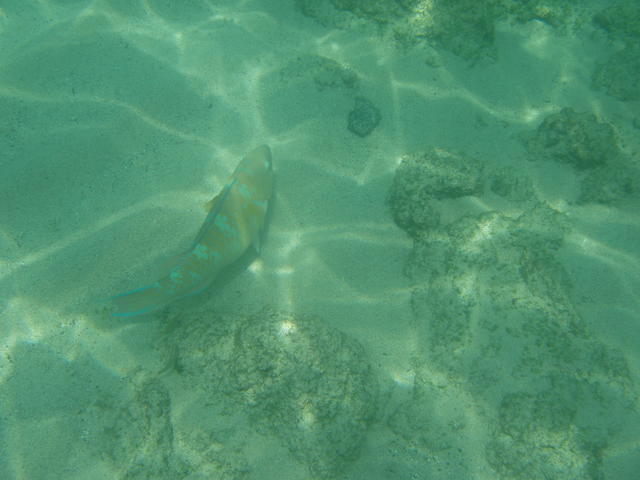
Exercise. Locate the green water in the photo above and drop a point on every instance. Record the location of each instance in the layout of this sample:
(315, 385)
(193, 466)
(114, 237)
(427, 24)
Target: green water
(447, 286)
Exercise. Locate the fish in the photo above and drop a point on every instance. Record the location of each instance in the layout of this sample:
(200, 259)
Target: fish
(235, 222)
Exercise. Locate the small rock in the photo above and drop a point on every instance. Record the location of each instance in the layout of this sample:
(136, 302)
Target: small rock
(364, 117)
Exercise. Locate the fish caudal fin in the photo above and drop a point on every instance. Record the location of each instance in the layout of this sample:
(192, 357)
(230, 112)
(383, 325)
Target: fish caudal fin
(140, 301)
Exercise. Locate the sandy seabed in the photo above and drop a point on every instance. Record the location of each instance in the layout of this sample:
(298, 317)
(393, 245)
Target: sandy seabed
(494, 335)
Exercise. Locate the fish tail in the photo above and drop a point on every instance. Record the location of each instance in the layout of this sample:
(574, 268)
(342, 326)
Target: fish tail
(140, 301)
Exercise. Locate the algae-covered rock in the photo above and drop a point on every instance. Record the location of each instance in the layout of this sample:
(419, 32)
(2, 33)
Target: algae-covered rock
(619, 74)
(499, 338)
(431, 175)
(606, 174)
(135, 432)
(496, 323)
(511, 185)
(534, 434)
(621, 20)
(577, 139)
(309, 385)
(464, 27)
(611, 184)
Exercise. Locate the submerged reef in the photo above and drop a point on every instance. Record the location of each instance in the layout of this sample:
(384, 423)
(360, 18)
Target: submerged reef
(234, 386)
(577, 139)
(503, 353)
(618, 75)
(463, 27)
(308, 385)
(621, 20)
(510, 184)
(591, 146)
(431, 175)
(135, 432)
(611, 184)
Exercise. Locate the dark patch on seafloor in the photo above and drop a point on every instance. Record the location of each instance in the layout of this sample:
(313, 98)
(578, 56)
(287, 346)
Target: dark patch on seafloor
(364, 117)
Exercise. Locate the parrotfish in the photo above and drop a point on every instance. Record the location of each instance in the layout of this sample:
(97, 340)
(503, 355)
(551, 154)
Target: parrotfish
(235, 222)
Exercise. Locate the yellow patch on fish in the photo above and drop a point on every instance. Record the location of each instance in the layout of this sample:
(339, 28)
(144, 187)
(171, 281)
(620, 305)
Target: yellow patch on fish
(234, 223)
